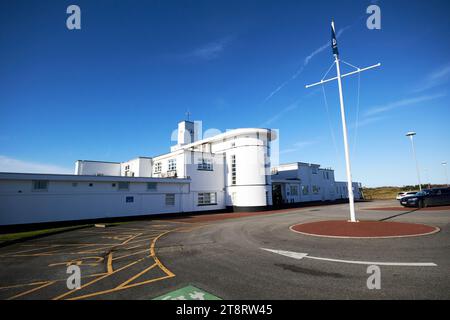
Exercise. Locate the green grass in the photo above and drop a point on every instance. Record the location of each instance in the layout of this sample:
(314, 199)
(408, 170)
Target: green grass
(385, 193)
(29, 234)
(7, 237)
(382, 193)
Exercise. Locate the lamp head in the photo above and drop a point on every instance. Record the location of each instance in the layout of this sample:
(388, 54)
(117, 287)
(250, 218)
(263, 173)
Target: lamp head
(410, 134)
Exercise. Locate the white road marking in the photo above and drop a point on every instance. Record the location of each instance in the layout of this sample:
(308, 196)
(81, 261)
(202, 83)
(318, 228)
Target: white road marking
(299, 256)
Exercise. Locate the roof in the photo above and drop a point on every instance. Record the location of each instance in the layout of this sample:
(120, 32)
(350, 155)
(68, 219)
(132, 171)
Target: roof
(231, 133)
(298, 164)
(90, 178)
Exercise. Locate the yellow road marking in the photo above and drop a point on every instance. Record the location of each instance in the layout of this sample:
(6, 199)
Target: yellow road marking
(126, 284)
(118, 289)
(136, 276)
(32, 290)
(109, 264)
(152, 254)
(79, 262)
(131, 254)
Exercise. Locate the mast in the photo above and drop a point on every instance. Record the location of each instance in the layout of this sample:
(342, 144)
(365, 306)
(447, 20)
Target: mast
(344, 122)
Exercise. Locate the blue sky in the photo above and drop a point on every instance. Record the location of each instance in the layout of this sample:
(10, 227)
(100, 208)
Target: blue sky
(116, 88)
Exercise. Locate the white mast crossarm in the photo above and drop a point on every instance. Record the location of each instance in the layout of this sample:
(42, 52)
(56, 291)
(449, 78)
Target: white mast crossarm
(344, 124)
(343, 75)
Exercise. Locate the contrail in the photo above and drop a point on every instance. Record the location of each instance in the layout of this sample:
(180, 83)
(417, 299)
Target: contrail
(305, 63)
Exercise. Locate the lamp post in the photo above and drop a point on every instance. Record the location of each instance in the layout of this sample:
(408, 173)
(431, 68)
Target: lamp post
(444, 164)
(411, 135)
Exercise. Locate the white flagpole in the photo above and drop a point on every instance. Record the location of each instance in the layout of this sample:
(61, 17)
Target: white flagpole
(344, 123)
(344, 131)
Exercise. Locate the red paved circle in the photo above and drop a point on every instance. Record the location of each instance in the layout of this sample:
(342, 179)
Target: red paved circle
(363, 229)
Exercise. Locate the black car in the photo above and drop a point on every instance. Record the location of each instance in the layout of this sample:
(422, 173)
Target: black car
(427, 197)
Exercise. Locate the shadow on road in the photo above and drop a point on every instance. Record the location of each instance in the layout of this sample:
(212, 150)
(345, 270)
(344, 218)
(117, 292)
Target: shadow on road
(400, 214)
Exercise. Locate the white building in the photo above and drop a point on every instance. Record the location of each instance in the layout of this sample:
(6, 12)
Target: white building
(305, 182)
(230, 171)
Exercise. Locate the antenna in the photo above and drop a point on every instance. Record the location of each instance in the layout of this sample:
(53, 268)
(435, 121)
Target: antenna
(344, 123)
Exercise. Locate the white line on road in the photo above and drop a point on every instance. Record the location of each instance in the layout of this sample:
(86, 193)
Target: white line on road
(299, 255)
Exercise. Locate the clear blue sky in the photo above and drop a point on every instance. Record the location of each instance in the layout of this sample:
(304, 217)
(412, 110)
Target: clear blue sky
(116, 88)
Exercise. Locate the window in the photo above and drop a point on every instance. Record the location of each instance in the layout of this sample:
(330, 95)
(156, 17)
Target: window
(127, 171)
(91, 184)
(74, 184)
(328, 175)
(158, 167)
(205, 199)
(172, 165)
(151, 186)
(305, 190)
(205, 164)
(129, 199)
(40, 185)
(314, 170)
(124, 185)
(233, 170)
(294, 190)
(170, 199)
(315, 189)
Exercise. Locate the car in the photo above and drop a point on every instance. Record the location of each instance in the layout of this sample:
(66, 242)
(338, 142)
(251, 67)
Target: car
(402, 194)
(427, 198)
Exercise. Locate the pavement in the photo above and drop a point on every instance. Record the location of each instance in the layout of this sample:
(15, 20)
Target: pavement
(363, 229)
(235, 256)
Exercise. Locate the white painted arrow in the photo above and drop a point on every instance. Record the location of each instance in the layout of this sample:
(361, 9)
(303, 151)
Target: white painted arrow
(299, 256)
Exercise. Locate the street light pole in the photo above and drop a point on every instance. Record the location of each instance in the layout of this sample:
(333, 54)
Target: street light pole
(411, 135)
(444, 164)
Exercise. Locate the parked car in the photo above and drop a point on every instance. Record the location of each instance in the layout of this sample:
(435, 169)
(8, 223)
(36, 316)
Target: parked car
(427, 197)
(402, 194)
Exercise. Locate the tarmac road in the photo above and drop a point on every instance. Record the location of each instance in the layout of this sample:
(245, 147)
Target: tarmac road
(224, 257)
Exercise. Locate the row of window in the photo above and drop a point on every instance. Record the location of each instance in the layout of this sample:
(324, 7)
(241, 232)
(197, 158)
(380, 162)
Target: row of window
(203, 199)
(203, 164)
(293, 190)
(233, 170)
(207, 198)
(42, 185)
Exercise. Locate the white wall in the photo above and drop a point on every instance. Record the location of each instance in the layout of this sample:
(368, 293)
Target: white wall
(138, 167)
(253, 184)
(74, 199)
(328, 188)
(93, 168)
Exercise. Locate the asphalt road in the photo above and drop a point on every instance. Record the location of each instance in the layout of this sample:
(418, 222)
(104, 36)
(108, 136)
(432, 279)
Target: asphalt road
(224, 257)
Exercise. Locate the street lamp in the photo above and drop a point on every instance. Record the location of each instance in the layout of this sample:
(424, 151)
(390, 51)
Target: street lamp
(411, 134)
(444, 164)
